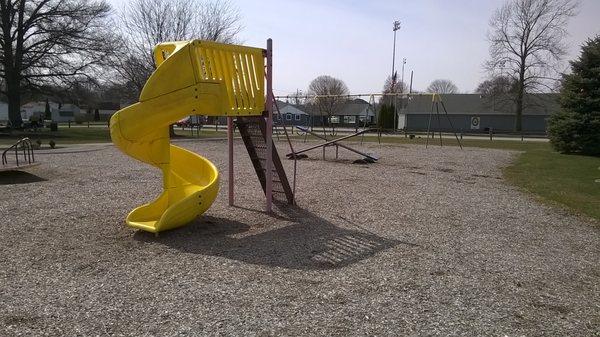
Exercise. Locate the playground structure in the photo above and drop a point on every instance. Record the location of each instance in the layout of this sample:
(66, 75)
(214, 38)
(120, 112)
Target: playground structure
(334, 142)
(436, 102)
(212, 79)
(21, 149)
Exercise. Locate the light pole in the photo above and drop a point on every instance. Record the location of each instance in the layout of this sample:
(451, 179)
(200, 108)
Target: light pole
(396, 28)
(403, 63)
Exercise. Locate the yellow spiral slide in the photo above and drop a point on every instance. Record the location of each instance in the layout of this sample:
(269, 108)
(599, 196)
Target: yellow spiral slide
(192, 77)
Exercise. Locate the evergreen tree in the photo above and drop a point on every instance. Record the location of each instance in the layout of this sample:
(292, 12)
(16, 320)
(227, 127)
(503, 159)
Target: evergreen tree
(576, 127)
(47, 111)
(386, 117)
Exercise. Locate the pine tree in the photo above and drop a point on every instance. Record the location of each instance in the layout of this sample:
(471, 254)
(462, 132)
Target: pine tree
(576, 127)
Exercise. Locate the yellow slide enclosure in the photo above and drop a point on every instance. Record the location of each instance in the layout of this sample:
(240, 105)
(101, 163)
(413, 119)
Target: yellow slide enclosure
(192, 77)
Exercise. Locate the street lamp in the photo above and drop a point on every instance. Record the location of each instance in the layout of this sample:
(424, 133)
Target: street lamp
(396, 28)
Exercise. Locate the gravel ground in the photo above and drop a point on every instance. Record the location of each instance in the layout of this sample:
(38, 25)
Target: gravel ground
(425, 242)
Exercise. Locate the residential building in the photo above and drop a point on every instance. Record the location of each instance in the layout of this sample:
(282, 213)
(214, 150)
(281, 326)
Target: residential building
(107, 109)
(473, 113)
(354, 113)
(290, 115)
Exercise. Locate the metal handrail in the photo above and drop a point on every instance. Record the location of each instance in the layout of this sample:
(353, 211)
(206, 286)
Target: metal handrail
(26, 146)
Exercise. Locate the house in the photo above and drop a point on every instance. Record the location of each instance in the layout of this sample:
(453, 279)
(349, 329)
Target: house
(38, 110)
(107, 109)
(354, 113)
(290, 114)
(67, 112)
(477, 113)
(59, 113)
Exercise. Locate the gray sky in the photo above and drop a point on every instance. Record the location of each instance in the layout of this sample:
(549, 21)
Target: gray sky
(352, 39)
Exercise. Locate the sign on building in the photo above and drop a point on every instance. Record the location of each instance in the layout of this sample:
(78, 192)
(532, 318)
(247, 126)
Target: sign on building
(475, 121)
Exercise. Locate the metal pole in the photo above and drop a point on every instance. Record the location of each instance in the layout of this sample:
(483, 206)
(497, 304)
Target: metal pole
(269, 131)
(396, 27)
(230, 146)
(403, 63)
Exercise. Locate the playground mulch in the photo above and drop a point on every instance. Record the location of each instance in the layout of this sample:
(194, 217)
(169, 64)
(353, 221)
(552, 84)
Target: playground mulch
(425, 242)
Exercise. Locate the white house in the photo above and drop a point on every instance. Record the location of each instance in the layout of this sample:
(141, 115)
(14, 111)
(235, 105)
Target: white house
(67, 112)
(59, 113)
(37, 109)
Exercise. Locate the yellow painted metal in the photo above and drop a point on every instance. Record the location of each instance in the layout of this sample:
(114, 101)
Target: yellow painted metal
(192, 77)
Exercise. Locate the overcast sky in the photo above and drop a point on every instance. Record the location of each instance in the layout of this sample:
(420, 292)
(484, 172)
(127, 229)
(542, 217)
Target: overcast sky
(352, 39)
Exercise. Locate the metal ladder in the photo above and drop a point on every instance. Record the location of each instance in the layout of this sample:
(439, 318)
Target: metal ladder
(253, 131)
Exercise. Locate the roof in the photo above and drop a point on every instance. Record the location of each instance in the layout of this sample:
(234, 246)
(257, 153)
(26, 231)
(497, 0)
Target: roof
(356, 107)
(476, 104)
(290, 109)
(109, 106)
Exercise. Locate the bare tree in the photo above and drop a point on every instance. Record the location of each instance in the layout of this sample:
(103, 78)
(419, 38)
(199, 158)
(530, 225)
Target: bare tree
(297, 98)
(331, 90)
(392, 85)
(527, 44)
(51, 42)
(496, 86)
(442, 87)
(146, 23)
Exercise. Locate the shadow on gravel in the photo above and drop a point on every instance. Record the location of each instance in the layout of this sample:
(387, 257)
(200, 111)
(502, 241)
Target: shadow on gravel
(310, 242)
(18, 177)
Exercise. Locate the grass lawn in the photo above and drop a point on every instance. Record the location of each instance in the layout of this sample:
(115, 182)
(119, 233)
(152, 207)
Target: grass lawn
(568, 180)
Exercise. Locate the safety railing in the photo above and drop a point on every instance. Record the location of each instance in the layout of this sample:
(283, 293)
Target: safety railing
(22, 148)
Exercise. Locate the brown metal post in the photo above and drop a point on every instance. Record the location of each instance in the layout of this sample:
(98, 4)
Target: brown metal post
(230, 148)
(269, 130)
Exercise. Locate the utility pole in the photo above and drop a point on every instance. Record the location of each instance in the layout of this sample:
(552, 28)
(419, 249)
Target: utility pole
(403, 63)
(396, 28)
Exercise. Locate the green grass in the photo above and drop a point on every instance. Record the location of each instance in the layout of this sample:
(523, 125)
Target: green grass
(567, 180)
(83, 135)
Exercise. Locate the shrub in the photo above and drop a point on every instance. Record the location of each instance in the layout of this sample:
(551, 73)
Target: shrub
(52, 144)
(576, 127)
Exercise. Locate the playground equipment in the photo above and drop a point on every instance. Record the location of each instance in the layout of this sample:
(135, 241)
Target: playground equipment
(207, 78)
(436, 101)
(334, 142)
(22, 149)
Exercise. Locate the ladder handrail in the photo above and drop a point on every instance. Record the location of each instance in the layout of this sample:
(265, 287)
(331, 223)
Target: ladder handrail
(27, 151)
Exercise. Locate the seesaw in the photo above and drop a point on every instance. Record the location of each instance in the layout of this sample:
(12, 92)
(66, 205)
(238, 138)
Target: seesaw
(333, 142)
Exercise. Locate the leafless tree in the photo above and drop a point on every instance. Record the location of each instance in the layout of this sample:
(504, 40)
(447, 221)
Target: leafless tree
(146, 23)
(495, 86)
(392, 85)
(296, 98)
(325, 85)
(442, 86)
(527, 44)
(51, 42)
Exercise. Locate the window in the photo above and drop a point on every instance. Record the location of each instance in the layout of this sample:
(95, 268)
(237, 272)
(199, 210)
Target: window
(288, 117)
(349, 119)
(334, 119)
(297, 117)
